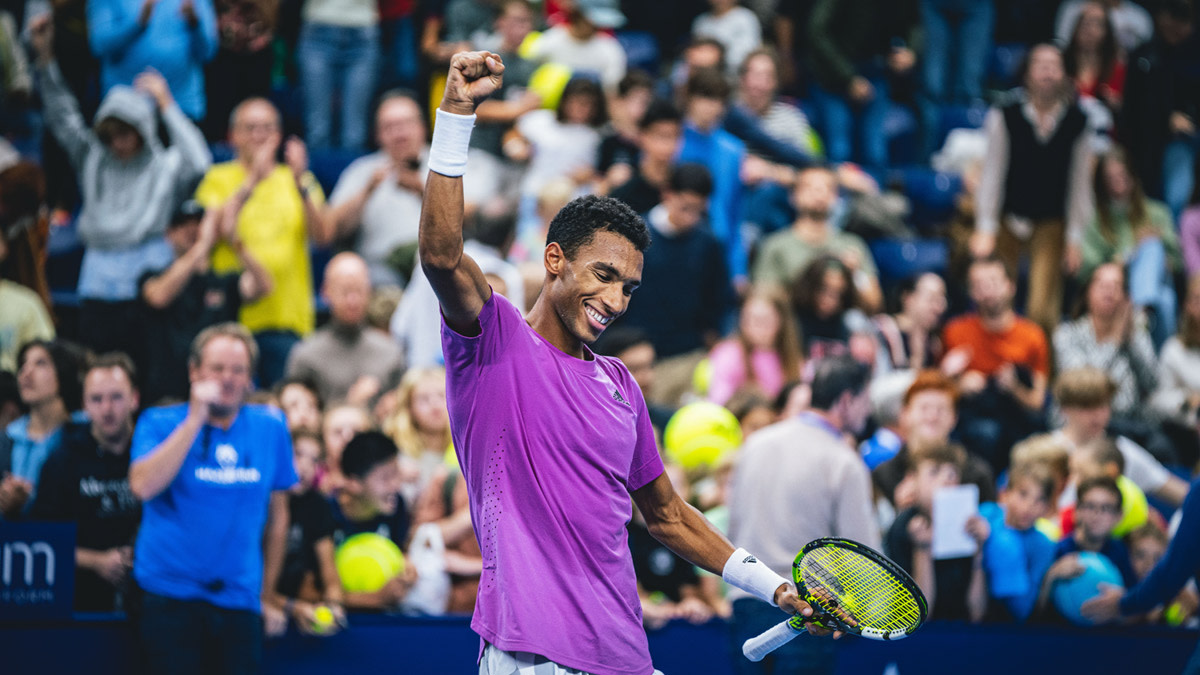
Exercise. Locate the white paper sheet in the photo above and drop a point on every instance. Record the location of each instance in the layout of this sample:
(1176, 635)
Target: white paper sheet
(952, 507)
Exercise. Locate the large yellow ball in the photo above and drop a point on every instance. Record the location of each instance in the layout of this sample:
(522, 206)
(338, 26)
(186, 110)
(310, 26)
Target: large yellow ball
(1135, 511)
(701, 433)
(365, 562)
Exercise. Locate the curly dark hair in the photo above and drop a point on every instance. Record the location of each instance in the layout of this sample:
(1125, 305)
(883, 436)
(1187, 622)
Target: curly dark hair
(574, 226)
(805, 287)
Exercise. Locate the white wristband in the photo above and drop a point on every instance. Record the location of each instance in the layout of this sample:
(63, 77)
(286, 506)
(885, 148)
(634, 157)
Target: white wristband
(451, 136)
(751, 575)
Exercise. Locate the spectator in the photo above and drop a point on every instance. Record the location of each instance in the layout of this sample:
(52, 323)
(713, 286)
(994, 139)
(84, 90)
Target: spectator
(958, 38)
(911, 337)
(1103, 458)
(1017, 554)
(1093, 59)
(854, 46)
(685, 293)
(701, 53)
(341, 423)
(825, 303)
(560, 143)
(660, 132)
(175, 38)
(415, 323)
(1138, 232)
(619, 151)
(1130, 21)
(771, 126)
(1147, 546)
(186, 297)
(309, 577)
(24, 223)
(787, 253)
(735, 27)
(1085, 397)
(50, 388)
(580, 45)
(954, 587)
(277, 209)
(1108, 335)
(347, 359)
(802, 465)
(377, 198)
(131, 185)
(420, 426)
(242, 66)
(370, 501)
(213, 454)
(1034, 194)
(764, 352)
(1097, 513)
(338, 55)
(10, 410)
(705, 142)
(496, 116)
(86, 481)
(1002, 364)
(23, 316)
(302, 407)
(1158, 122)
(1177, 399)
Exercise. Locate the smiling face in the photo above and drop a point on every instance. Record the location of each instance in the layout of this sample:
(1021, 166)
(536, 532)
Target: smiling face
(590, 291)
(926, 304)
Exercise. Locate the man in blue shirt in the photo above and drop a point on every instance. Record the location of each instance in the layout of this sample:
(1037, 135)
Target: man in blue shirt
(213, 473)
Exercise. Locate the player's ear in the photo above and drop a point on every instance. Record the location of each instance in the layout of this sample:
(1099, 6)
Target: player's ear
(554, 258)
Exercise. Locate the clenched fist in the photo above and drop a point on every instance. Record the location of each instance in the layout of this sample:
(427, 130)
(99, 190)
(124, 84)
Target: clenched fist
(473, 77)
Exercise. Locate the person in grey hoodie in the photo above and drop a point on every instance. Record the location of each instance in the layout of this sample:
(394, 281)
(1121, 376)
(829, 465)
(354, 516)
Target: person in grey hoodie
(130, 186)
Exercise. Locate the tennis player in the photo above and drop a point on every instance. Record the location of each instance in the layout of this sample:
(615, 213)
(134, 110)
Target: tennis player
(553, 439)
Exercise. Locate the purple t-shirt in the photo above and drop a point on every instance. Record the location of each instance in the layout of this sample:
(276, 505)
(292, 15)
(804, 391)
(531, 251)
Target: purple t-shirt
(551, 446)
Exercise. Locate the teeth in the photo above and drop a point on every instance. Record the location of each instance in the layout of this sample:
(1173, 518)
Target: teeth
(598, 317)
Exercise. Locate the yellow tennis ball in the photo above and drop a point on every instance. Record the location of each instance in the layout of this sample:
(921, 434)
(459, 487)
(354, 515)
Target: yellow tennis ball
(701, 433)
(323, 619)
(450, 459)
(548, 82)
(702, 377)
(1048, 527)
(366, 561)
(1135, 511)
(527, 48)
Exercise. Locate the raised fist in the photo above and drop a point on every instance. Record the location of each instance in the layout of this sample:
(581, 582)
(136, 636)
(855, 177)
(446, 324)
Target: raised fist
(473, 77)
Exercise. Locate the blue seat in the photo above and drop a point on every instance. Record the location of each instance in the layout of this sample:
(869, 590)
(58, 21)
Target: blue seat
(932, 193)
(641, 49)
(959, 117)
(899, 259)
(1005, 63)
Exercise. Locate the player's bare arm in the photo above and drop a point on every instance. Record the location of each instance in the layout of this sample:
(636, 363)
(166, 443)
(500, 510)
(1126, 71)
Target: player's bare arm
(456, 279)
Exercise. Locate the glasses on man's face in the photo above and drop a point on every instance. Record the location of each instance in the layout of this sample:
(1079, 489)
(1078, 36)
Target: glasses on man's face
(1109, 509)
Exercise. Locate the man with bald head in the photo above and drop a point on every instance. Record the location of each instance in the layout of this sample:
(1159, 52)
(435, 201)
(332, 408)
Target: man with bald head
(377, 199)
(275, 210)
(346, 358)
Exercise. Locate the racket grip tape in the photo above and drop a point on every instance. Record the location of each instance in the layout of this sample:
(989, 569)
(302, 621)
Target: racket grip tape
(757, 647)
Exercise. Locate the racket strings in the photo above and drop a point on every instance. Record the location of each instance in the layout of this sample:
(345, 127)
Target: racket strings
(849, 585)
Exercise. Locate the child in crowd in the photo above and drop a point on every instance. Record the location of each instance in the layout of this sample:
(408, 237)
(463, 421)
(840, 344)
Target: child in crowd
(1102, 458)
(954, 587)
(1017, 555)
(309, 578)
(340, 424)
(763, 353)
(420, 426)
(1097, 513)
(1147, 545)
(369, 501)
(301, 404)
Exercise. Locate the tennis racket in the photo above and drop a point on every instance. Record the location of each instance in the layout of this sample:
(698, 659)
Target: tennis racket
(851, 588)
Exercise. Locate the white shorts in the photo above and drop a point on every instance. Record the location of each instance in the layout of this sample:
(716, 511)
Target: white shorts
(499, 662)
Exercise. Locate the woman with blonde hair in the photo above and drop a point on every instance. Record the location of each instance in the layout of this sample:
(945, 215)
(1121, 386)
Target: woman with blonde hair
(420, 426)
(763, 353)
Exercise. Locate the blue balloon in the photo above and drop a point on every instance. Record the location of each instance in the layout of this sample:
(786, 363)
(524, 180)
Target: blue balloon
(1070, 594)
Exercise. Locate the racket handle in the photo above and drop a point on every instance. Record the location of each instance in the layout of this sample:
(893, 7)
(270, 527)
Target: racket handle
(757, 647)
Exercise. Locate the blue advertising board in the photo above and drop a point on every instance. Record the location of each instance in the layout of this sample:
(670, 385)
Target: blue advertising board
(37, 570)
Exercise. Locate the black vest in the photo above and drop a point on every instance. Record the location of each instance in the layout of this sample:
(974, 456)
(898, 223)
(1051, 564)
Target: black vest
(1039, 172)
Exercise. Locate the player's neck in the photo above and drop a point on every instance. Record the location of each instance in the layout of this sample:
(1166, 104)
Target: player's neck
(546, 322)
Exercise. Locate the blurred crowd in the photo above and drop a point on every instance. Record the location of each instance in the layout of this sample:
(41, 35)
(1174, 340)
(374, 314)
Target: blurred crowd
(909, 245)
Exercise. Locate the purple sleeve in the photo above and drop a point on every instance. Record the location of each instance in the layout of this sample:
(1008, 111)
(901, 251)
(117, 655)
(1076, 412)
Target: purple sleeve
(647, 464)
(1181, 561)
(1189, 239)
(462, 352)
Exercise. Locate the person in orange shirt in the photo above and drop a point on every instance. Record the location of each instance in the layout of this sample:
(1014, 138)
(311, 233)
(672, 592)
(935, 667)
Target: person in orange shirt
(1002, 364)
